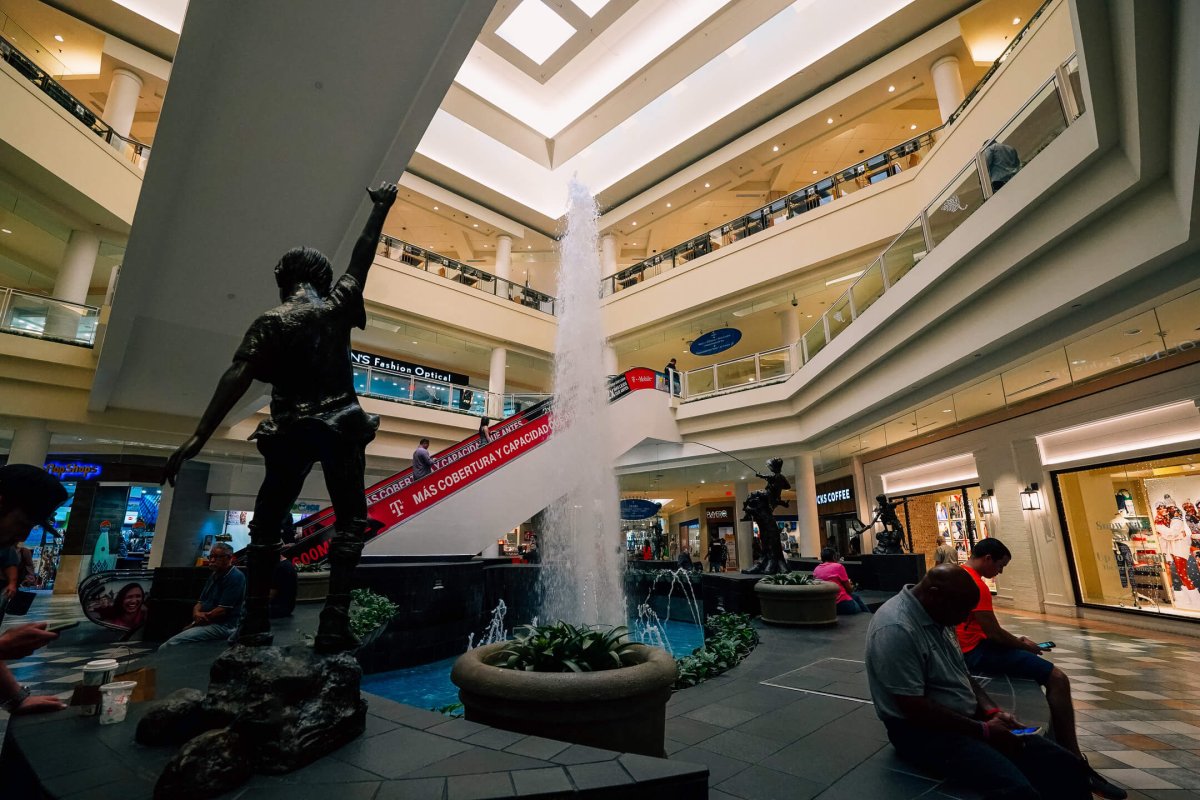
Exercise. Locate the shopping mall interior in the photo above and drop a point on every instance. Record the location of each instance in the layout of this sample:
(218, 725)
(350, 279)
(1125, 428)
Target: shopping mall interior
(937, 256)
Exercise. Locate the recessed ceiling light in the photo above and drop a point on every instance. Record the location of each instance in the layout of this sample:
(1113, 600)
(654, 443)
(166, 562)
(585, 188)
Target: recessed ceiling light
(912, 127)
(535, 30)
(891, 88)
(808, 315)
(829, 121)
(58, 37)
(474, 224)
(634, 224)
(775, 149)
(1079, 361)
(5, 230)
(1133, 331)
(707, 185)
(1016, 20)
(668, 205)
(814, 172)
(702, 480)
(528, 247)
(414, 341)
(946, 410)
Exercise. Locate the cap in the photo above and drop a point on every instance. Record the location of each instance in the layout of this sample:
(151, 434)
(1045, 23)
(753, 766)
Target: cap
(32, 489)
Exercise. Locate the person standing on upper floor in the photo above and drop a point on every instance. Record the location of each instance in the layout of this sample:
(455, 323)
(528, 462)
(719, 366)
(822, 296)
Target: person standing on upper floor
(422, 463)
(945, 554)
(1002, 162)
(672, 373)
(989, 649)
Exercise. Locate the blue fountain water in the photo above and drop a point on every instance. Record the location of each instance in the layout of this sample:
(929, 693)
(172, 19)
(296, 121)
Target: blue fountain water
(429, 686)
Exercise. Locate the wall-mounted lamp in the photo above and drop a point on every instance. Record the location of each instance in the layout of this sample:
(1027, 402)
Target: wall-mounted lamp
(987, 502)
(1031, 500)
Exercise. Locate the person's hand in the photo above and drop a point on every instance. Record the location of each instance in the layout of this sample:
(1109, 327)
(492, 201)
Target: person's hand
(1030, 645)
(1008, 720)
(187, 450)
(21, 640)
(10, 591)
(384, 196)
(1001, 738)
(40, 704)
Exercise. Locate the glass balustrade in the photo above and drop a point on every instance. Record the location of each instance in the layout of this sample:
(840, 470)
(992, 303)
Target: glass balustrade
(42, 317)
(465, 275)
(397, 388)
(1038, 122)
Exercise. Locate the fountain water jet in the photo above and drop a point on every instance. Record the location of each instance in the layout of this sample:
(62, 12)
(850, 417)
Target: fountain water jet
(583, 561)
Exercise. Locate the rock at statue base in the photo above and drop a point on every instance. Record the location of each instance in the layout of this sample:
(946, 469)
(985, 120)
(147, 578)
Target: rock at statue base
(175, 719)
(286, 708)
(210, 764)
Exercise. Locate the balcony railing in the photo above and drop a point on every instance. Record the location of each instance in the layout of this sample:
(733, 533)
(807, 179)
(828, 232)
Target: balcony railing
(472, 277)
(1053, 107)
(40, 317)
(134, 151)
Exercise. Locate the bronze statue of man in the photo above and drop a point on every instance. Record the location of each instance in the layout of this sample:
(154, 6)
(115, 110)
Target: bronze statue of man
(759, 507)
(889, 541)
(302, 348)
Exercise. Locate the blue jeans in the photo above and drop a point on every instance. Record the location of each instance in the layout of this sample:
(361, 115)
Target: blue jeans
(854, 605)
(202, 633)
(1041, 771)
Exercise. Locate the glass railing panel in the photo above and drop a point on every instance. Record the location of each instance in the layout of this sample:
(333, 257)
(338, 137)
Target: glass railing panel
(774, 364)
(938, 414)
(1043, 374)
(394, 387)
(813, 340)
(1076, 84)
(1129, 342)
(48, 318)
(868, 288)
(901, 428)
(736, 373)
(361, 379)
(1179, 320)
(903, 253)
(839, 315)
(701, 381)
(1025, 135)
(979, 398)
(962, 198)
(429, 393)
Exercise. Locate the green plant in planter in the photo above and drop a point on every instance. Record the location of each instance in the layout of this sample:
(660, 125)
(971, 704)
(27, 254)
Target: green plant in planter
(728, 639)
(791, 579)
(562, 647)
(314, 566)
(369, 610)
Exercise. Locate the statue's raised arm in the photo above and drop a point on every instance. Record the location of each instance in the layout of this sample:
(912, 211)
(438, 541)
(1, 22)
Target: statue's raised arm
(364, 249)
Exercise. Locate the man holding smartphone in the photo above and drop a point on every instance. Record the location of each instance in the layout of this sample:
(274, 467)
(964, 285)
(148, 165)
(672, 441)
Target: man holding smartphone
(28, 496)
(989, 649)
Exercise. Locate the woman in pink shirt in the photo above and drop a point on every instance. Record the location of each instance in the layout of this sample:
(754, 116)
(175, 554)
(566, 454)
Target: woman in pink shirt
(830, 569)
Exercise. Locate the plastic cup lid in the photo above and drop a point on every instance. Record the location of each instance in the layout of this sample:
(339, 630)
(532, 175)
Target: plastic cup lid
(118, 686)
(100, 665)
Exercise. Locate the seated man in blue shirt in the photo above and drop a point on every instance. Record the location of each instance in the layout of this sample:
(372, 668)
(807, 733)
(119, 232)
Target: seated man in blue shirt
(219, 610)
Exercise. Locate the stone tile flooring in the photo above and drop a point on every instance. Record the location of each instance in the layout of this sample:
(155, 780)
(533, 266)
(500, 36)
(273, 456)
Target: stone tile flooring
(794, 720)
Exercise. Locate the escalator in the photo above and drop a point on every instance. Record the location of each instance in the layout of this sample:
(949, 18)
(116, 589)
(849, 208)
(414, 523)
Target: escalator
(496, 485)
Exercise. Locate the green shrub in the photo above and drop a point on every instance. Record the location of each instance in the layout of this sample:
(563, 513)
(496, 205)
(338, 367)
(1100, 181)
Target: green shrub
(791, 579)
(562, 647)
(729, 638)
(369, 610)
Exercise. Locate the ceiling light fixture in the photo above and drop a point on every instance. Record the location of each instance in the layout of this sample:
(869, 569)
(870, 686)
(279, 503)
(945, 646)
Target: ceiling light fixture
(1016, 20)
(829, 121)
(535, 30)
(634, 224)
(668, 205)
(435, 208)
(474, 224)
(849, 277)
(814, 172)
(912, 127)
(775, 149)
(58, 37)
(5, 230)
(707, 185)
(891, 88)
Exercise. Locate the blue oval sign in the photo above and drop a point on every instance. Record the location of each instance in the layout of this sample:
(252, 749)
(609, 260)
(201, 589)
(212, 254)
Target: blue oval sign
(717, 341)
(639, 509)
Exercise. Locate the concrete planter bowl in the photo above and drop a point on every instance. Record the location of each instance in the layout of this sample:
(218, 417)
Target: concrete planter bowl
(811, 605)
(618, 709)
(311, 587)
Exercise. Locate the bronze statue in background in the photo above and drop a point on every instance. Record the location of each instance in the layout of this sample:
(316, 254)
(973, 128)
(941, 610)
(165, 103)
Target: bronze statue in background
(302, 348)
(889, 541)
(759, 507)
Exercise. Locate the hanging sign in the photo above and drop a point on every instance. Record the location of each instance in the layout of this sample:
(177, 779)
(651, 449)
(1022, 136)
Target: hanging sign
(634, 379)
(717, 341)
(68, 470)
(633, 508)
(405, 368)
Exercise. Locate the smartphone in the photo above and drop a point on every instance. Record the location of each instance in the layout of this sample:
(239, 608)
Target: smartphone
(59, 627)
(1046, 645)
(1026, 731)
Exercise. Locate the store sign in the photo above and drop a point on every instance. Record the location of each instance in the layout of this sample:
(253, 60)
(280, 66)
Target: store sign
(718, 514)
(833, 497)
(639, 509)
(717, 341)
(633, 380)
(405, 368)
(72, 470)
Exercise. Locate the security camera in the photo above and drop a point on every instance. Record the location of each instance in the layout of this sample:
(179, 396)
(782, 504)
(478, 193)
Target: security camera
(795, 302)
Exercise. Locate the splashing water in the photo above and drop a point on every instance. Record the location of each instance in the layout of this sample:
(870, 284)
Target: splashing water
(583, 561)
(495, 631)
(648, 627)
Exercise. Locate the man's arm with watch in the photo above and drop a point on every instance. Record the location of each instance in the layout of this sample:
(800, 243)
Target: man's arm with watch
(15, 698)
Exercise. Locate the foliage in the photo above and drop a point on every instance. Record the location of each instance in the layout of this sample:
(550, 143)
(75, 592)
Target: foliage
(562, 647)
(791, 579)
(729, 638)
(369, 610)
(454, 710)
(313, 566)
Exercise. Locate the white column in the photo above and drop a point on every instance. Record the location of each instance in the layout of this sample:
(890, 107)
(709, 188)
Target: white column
(30, 443)
(504, 257)
(162, 527)
(789, 332)
(74, 278)
(608, 255)
(610, 359)
(744, 531)
(947, 83)
(496, 383)
(122, 101)
(808, 528)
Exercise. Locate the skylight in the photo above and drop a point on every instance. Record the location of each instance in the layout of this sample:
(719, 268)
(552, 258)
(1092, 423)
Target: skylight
(535, 30)
(590, 7)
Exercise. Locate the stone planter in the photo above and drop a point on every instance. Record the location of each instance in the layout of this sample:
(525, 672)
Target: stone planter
(311, 587)
(798, 605)
(619, 709)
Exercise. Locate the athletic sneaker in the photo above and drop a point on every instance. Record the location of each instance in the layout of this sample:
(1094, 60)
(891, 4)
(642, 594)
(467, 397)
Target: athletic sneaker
(1102, 787)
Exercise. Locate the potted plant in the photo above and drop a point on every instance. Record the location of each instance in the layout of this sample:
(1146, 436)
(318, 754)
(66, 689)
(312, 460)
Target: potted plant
(591, 686)
(797, 598)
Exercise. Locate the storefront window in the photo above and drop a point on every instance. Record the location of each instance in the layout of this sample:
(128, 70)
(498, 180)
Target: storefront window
(689, 538)
(953, 515)
(1134, 532)
(46, 544)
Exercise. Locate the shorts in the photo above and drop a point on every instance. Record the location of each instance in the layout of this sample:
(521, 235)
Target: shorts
(991, 659)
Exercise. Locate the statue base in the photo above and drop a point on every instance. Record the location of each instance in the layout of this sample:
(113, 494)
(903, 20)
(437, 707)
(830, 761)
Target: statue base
(768, 565)
(268, 709)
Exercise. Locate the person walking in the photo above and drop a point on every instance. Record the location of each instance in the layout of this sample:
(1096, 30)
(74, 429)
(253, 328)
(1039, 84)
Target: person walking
(716, 556)
(422, 463)
(485, 434)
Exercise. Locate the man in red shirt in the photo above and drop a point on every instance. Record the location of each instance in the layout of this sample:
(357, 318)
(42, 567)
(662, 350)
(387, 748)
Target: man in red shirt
(990, 650)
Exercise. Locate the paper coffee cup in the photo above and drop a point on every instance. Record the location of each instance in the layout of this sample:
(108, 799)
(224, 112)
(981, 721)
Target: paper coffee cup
(95, 674)
(114, 701)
